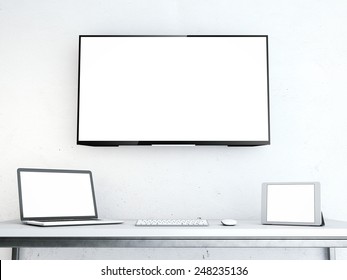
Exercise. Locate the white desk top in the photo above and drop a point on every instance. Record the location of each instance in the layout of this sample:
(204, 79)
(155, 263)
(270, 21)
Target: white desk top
(128, 230)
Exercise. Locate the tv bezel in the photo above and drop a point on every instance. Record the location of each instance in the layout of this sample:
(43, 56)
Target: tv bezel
(168, 142)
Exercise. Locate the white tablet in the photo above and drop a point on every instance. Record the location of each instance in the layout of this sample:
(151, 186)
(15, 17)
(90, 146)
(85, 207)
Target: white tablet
(291, 204)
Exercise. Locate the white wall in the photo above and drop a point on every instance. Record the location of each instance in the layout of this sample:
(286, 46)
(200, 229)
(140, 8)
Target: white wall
(308, 66)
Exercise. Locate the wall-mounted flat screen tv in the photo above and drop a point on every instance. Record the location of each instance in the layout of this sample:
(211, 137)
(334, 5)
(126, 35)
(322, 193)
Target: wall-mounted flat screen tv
(173, 90)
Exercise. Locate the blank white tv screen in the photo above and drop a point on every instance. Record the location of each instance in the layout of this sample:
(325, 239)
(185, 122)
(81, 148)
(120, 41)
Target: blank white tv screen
(173, 90)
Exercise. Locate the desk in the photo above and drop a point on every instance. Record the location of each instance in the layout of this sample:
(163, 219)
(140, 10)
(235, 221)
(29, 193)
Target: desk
(247, 234)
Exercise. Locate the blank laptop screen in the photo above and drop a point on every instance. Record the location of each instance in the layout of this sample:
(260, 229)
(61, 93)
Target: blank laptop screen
(56, 194)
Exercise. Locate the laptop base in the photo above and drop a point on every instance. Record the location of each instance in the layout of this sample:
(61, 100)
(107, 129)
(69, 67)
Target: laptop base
(70, 223)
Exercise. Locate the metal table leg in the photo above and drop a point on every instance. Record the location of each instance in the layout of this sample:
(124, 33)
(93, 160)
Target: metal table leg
(332, 253)
(15, 253)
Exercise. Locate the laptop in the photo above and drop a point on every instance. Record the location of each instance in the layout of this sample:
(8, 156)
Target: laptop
(53, 197)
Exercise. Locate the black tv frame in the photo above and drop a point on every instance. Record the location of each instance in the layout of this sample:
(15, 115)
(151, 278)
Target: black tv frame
(245, 143)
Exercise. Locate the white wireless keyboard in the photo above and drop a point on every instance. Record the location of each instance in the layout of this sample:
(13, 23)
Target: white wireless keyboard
(188, 223)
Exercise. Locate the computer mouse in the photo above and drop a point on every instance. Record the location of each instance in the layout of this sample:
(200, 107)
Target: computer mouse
(228, 222)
